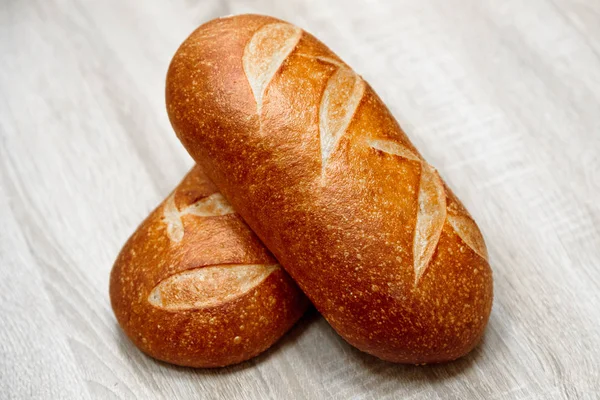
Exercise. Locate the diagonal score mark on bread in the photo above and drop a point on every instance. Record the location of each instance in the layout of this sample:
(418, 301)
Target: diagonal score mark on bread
(395, 148)
(265, 53)
(340, 100)
(465, 227)
(208, 286)
(432, 212)
(430, 219)
(211, 206)
(214, 205)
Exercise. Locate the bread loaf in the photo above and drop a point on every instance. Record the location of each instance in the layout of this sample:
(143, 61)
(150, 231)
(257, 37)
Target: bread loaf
(320, 170)
(194, 286)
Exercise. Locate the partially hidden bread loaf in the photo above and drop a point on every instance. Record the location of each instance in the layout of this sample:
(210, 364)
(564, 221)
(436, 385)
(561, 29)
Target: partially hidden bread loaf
(320, 170)
(193, 286)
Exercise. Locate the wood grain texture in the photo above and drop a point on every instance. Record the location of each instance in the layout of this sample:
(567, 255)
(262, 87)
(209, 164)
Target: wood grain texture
(502, 97)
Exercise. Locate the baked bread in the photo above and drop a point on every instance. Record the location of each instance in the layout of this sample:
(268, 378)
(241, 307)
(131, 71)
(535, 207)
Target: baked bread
(320, 170)
(194, 286)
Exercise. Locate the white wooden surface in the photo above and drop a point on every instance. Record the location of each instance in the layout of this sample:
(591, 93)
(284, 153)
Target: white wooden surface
(502, 96)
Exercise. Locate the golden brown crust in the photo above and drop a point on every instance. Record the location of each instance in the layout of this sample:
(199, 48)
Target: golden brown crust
(318, 167)
(194, 286)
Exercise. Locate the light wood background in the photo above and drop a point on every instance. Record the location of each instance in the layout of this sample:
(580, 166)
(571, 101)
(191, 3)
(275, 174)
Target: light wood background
(503, 97)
